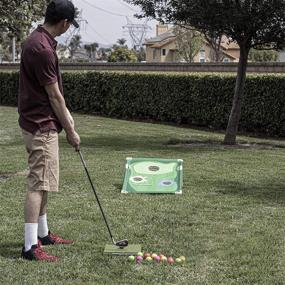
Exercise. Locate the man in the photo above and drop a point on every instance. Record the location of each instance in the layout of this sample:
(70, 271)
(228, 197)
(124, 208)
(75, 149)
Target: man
(43, 114)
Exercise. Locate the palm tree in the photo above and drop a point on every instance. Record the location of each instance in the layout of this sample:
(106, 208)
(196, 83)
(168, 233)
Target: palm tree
(121, 41)
(74, 44)
(92, 50)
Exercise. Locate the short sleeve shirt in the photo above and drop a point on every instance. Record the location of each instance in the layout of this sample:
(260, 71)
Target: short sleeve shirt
(39, 67)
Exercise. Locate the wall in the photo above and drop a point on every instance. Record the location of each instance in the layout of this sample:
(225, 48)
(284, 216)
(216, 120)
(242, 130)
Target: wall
(274, 67)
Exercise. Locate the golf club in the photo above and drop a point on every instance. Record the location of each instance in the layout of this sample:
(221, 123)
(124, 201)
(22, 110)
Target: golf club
(121, 243)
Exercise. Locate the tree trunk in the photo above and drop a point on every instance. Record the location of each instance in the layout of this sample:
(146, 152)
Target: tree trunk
(232, 128)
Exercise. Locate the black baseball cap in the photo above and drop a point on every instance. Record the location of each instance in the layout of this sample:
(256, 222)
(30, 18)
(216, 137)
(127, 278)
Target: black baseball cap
(62, 9)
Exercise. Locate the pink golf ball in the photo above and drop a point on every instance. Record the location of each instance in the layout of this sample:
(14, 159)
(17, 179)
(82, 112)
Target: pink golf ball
(170, 260)
(157, 258)
(139, 259)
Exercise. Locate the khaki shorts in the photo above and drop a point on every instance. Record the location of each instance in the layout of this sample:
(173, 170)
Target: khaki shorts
(43, 160)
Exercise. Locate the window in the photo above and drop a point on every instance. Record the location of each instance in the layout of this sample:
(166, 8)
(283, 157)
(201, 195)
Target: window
(163, 51)
(202, 55)
(226, 60)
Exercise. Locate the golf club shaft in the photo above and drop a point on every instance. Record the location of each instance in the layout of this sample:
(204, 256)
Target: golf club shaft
(93, 188)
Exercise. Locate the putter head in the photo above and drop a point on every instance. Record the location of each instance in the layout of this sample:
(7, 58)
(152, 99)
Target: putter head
(122, 243)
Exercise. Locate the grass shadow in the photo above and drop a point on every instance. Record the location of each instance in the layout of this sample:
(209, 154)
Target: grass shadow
(213, 143)
(120, 143)
(11, 250)
(118, 186)
(125, 142)
(272, 191)
(145, 144)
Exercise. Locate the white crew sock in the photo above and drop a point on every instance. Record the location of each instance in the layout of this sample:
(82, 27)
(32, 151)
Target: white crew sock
(43, 226)
(31, 235)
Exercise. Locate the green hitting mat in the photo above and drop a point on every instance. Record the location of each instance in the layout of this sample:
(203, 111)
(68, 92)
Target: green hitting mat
(128, 250)
(153, 175)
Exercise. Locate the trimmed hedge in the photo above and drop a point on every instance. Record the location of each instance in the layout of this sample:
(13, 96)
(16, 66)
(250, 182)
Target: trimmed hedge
(197, 99)
(9, 85)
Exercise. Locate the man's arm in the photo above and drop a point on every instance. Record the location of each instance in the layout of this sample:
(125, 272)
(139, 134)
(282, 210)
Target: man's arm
(70, 117)
(58, 105)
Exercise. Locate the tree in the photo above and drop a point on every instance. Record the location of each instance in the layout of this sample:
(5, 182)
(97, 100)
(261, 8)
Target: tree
(215, 41)
(188, 41)
(16, 16)
(63, 52)
(104, 53)
(74, 44)
(141, 55)
(92, 50)
(121, 41)
(250, 23)
(121, 53)
(6, 51)
(262, 55)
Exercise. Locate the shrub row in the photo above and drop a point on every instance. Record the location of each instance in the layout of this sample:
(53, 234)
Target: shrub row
(197, 99)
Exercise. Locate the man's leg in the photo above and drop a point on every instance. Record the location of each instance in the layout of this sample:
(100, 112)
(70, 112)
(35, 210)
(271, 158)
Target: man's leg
(32, 250)
(43, 209)
(52, 177)
(36, 199)
(32, 211)
(43, 226)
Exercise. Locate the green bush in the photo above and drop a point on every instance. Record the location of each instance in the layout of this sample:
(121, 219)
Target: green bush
(9, 85)
(196, 99)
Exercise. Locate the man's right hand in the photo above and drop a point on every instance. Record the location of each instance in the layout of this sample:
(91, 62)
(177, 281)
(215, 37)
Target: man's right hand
(73, 139)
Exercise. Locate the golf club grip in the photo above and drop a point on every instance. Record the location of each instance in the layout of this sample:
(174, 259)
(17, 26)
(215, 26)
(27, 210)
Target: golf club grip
(97, 198)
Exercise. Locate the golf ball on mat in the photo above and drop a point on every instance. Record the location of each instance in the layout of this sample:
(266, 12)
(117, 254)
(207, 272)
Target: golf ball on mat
(163, 258)
(183, 259)
(131, 258)
(149, 258)
(178, 260)
(154, 255)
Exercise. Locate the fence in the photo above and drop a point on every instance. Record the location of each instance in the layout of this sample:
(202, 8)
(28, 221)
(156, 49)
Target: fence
(272, 67)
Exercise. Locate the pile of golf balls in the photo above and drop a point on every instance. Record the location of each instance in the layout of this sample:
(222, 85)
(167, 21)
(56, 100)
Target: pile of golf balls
(153, 257)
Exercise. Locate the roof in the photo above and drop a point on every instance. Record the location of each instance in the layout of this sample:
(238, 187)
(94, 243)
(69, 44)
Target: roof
(160, 38)
(229, 55)
(163, 43)
(229, 45)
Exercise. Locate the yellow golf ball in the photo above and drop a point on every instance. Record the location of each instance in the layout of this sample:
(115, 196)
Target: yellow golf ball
(154, 255)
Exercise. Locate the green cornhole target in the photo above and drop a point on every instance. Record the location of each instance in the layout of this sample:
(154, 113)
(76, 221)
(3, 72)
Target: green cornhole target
(153, 175)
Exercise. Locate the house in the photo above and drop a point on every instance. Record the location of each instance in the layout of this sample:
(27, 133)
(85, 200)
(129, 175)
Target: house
(80, 55)
(281, 56)
(163, 48)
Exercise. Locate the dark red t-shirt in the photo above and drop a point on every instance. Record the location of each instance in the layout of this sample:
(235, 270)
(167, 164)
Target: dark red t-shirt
(39, 67)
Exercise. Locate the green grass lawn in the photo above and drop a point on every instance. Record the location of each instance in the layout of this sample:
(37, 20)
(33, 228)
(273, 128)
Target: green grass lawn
(229, 222)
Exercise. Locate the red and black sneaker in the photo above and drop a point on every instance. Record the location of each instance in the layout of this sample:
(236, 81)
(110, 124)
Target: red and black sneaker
(37, 253)
(53, 239)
